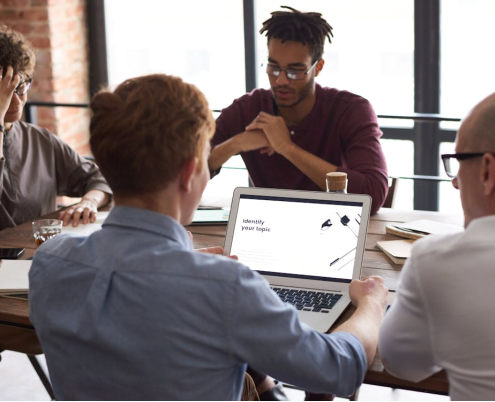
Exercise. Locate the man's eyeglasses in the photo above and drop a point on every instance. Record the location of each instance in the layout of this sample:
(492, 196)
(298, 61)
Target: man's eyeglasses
(23, 87)
(451, 161)
(293, 74)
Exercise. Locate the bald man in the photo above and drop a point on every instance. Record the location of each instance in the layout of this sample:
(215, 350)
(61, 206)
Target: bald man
(443, 316)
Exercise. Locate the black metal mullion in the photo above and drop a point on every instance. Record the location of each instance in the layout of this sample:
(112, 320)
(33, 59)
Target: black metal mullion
(427, 100)
(30, 114)
(98, 66)
(392, 133)
(250, 45)
(447, 136)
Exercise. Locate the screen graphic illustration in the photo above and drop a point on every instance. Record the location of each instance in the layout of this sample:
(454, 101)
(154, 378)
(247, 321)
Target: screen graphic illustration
(298, 238)
(345, 253)
(345, 221)
(325, 225)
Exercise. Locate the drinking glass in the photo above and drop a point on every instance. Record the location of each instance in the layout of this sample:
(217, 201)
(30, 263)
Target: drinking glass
(44, 229)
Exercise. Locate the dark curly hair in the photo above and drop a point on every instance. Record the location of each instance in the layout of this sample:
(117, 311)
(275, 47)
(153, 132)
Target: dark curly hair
(16, 51)
(297, 26)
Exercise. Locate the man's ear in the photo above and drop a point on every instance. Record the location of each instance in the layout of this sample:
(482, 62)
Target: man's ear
(319, 67)
(186, 174)
(488, 173)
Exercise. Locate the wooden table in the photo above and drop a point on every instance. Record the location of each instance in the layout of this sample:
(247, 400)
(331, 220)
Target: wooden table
(15, 313)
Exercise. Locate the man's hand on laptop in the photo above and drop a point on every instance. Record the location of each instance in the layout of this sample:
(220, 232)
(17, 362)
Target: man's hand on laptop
(211, 250)
(370, 289)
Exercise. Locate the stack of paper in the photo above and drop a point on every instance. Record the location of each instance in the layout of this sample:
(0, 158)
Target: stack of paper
(397, 250)
(421, 228)
(14, 276)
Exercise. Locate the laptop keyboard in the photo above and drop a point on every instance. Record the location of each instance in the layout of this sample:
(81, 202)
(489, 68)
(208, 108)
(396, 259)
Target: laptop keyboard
(307, 300)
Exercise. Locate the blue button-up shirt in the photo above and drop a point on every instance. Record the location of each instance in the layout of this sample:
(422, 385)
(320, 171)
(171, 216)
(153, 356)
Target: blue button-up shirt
(132, 312)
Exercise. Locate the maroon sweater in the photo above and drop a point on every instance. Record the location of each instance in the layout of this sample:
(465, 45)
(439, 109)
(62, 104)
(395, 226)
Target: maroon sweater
(342, 129)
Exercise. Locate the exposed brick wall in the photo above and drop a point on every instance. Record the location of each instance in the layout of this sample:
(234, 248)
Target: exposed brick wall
(57, 29)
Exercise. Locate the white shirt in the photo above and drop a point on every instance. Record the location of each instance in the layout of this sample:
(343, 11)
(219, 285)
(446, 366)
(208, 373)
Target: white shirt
(444, 313)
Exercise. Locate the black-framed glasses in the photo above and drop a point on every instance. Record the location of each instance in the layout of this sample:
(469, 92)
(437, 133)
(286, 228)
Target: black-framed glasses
(293, 74)
(451, 161)
(24, 86)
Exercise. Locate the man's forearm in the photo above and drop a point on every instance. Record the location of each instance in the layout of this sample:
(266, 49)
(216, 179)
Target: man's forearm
(1, 143)
(223, 152)
(365, 324)
(311, 165)
(98, 197)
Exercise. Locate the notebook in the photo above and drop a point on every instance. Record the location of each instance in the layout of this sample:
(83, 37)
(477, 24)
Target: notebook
(397, 250)
(421, 228)
(14, 276)
(210, 216)
(18, 296)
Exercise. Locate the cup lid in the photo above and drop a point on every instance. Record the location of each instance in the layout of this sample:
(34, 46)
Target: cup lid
(336, 180)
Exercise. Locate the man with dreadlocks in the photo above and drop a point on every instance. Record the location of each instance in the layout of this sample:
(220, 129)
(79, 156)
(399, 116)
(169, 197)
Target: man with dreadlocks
(295, 133)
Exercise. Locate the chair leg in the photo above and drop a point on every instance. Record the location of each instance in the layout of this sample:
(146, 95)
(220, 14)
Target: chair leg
(355, 395)
(42, 375)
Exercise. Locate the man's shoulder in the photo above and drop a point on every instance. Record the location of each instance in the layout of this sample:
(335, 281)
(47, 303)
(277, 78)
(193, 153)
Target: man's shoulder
(60, 246)
(329, 94)
(163, 261)
(437, 251)
(32, 131)
(258, 96)
(436, 244)
(56, 252)
(243, 110)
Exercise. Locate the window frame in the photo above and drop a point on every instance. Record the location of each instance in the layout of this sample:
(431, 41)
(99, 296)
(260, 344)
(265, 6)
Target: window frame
(426, 134)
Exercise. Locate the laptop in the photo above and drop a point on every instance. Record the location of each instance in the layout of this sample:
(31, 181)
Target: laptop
(309, 245)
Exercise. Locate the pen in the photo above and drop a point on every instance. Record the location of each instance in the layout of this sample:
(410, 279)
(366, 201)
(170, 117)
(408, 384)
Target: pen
(333, 262)
(348, 262)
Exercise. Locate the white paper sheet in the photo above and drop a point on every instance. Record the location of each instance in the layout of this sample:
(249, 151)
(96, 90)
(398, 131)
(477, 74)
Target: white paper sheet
(86, 230)
(14, 275)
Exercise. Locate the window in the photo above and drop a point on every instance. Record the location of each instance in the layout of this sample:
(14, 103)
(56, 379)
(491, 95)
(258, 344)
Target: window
(372, 55)
(233, 174)
(400, 162)
(468, 59)
(154, 36)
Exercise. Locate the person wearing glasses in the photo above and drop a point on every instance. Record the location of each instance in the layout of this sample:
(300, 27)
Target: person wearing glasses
(35, 165)
(292, 135)
(442, 317)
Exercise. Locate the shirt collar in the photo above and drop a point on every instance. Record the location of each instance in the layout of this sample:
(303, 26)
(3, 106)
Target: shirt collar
(485, 222)
(144, 220)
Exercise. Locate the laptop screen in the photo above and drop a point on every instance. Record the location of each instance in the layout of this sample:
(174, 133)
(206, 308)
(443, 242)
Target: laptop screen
(295, 237)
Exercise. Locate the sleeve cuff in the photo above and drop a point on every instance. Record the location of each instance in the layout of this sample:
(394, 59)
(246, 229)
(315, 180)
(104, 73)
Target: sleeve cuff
(357, 349)
(102, 187)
